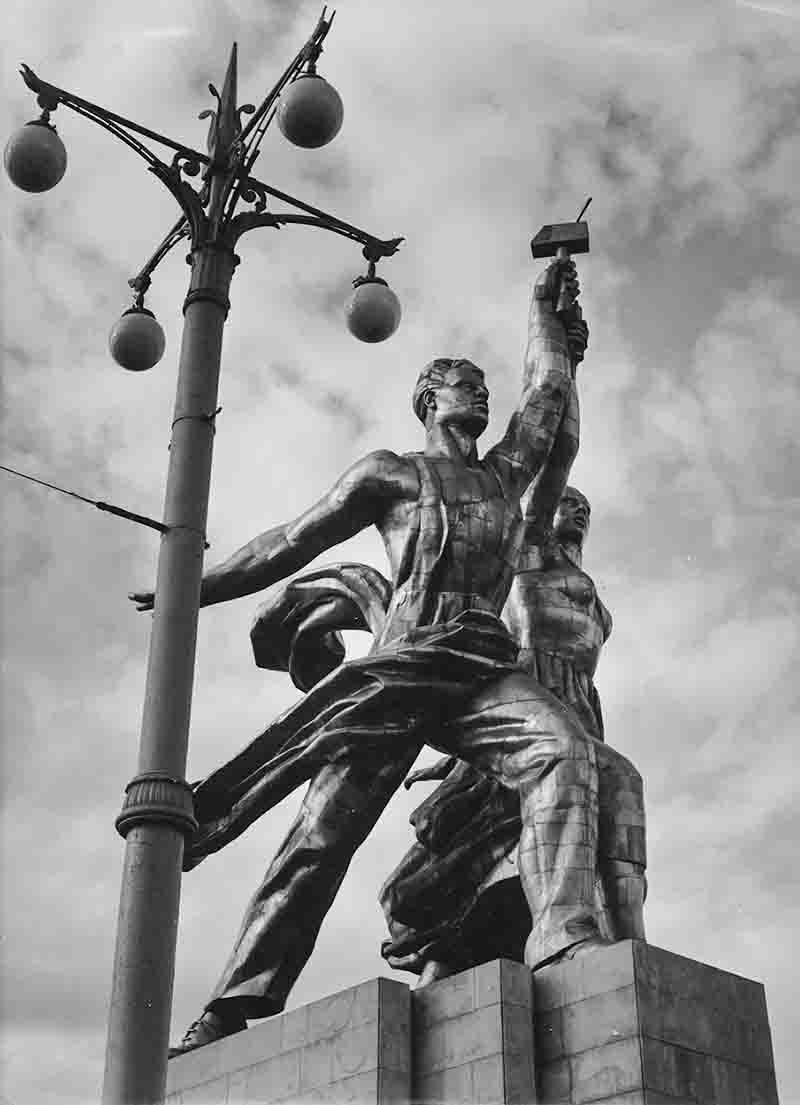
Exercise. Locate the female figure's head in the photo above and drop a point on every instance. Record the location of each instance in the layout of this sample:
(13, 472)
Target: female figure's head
(571, 521)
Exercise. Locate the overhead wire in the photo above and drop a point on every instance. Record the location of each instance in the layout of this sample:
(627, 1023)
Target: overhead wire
(109, 508)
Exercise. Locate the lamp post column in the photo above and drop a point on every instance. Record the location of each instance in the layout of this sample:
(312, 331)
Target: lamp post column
(158, 809)
(158, 805)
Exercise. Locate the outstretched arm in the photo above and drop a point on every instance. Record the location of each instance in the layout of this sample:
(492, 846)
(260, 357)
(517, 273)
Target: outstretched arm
(547, 384)
(356, 501)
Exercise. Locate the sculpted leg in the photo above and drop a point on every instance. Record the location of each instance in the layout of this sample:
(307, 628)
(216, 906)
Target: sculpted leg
(621, 847)
(526, 738)
(558, 848)
(283, 919)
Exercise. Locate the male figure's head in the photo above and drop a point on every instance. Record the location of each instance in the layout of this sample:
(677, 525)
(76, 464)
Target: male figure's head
(452, 392)
(571, 521)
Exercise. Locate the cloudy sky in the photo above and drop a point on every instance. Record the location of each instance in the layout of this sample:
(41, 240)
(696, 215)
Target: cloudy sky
(467, 126)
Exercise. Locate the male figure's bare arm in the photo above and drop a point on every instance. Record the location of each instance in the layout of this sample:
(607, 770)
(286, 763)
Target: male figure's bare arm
(548, 381)
(357, 500)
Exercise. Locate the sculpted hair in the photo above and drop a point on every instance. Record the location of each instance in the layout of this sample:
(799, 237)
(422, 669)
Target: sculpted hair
(576, 494)
(432, 377)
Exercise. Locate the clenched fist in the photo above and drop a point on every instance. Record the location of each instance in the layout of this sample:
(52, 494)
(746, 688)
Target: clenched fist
(559, 285)
(577, 335)
(144, 599)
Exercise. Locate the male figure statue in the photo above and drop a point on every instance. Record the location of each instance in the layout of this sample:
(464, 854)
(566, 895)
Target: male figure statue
(442, 670)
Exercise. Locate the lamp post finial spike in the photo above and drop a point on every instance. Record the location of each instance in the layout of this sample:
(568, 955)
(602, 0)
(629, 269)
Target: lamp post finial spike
(228, 115)
(225, 123)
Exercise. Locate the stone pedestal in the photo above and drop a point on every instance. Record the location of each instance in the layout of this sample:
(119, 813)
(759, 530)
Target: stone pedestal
(472, 1037)
(630, 1024)
(353, 1046)
(636, 1025)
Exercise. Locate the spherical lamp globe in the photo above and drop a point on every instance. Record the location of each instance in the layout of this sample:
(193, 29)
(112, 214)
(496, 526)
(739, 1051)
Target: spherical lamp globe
(136, 340)
(373, 310)
(310, 112)
(35, 157)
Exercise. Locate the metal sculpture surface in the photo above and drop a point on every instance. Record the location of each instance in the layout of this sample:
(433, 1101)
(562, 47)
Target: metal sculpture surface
(442, 671)
(455, 899)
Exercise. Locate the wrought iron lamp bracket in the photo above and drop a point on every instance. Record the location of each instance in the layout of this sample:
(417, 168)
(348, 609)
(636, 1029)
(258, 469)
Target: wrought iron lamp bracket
(209, 217)
(185, 160)
(257, 193)
(141, 282)
(49, 97)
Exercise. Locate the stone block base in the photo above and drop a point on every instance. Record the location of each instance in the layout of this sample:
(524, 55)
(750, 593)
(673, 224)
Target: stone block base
(353, 1046)
(636, 1025)
(629, 1024)
(472, 1037)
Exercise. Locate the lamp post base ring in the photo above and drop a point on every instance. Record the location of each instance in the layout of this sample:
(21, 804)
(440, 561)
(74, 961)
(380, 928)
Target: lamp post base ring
(157, 798)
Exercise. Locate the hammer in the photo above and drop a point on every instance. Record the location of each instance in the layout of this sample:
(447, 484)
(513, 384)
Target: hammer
(560, 241)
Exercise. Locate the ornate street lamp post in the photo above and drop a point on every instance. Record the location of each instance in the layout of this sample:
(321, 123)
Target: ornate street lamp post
(157, 810)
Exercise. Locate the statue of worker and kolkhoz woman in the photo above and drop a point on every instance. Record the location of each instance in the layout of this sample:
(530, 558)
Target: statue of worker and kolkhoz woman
(485, 646)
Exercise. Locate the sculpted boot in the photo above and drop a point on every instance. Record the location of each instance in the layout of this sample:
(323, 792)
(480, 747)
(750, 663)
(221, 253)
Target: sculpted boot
(625, 886)
(208, 1028)
(433, 970)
